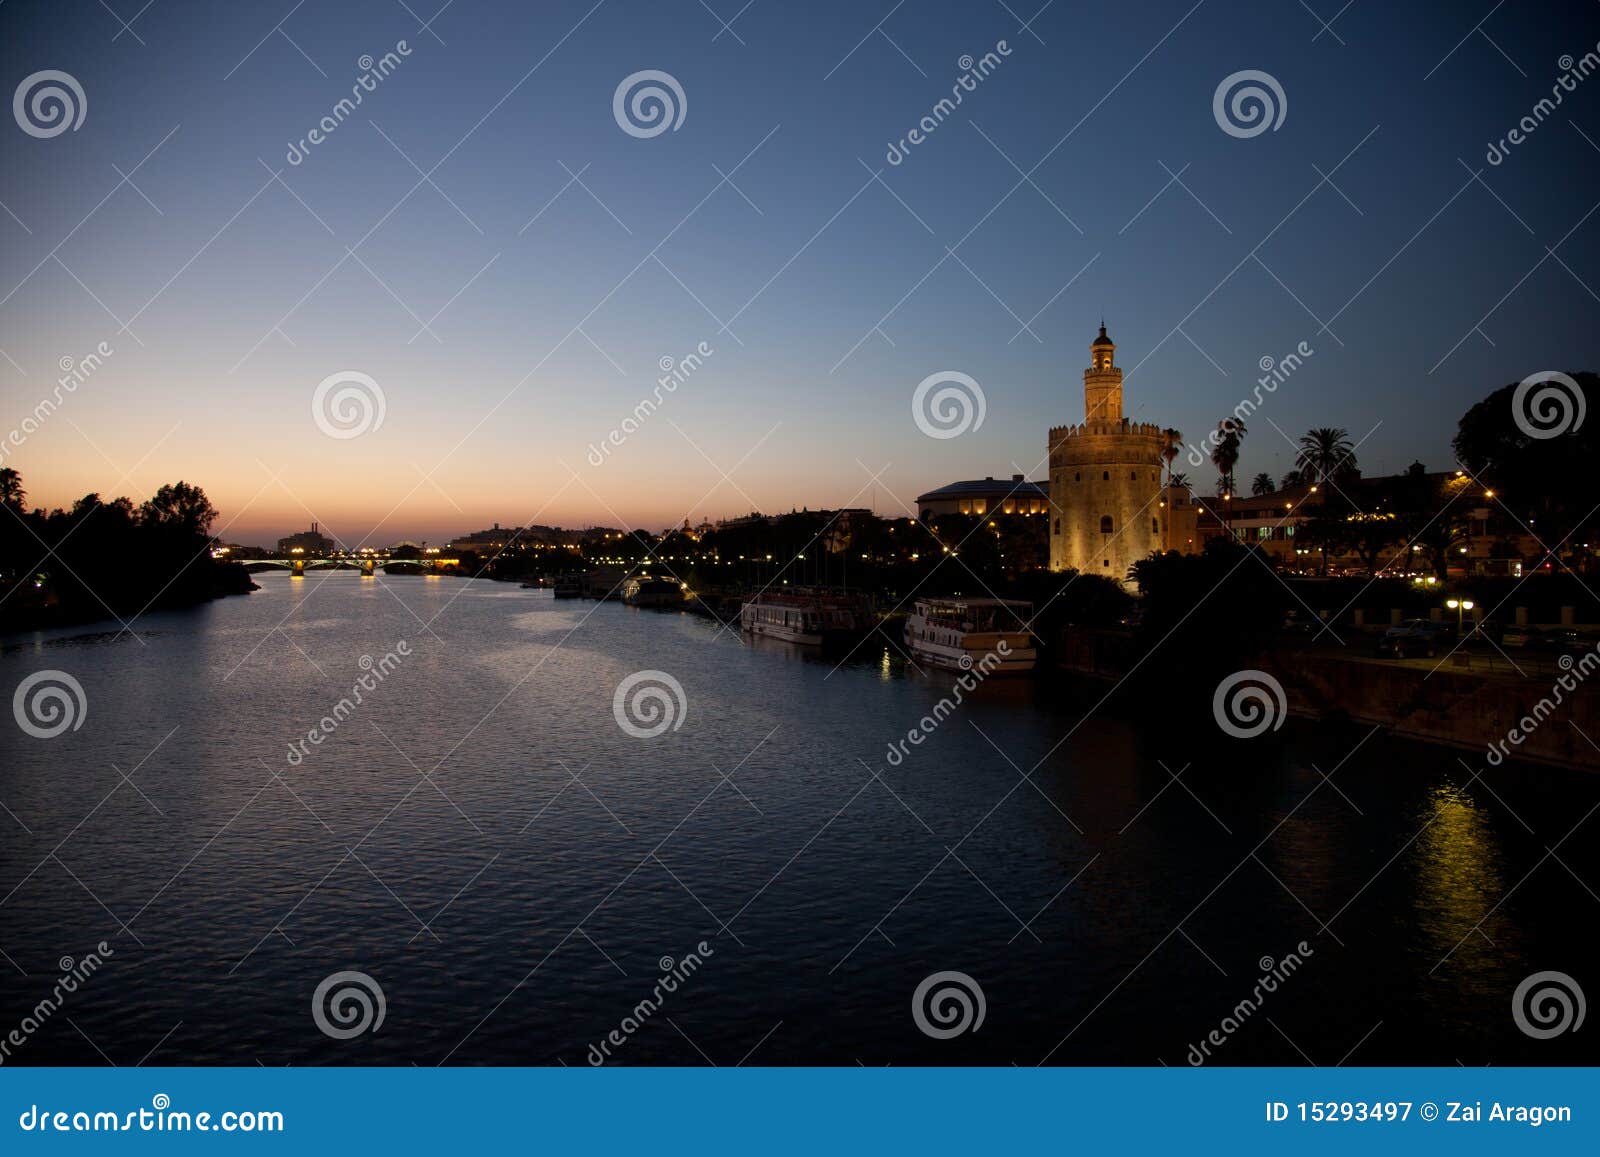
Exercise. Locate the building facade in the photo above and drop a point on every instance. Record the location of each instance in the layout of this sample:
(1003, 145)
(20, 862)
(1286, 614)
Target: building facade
(1482, 538)
(985, 497)
(491, 541)
(310, 543)
(1107, 507)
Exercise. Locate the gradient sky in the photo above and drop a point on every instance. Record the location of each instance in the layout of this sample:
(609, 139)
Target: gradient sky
(493, 420)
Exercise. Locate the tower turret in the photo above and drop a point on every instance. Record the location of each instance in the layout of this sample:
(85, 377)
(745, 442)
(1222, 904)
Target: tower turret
(1102, 381)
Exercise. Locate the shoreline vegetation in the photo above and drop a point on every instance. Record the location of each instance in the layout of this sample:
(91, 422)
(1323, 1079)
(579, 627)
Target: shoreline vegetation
(107, 559)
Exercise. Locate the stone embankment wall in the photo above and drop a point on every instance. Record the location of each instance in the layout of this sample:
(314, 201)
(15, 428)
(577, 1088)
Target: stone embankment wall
(1471, 710)
(1459, 708)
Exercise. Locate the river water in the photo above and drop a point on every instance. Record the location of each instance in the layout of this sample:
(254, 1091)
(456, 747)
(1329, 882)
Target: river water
(483, 839)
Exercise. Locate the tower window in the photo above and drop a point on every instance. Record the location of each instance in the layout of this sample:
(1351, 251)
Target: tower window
(1105, 524)
(1058, 526)
(1078, 477)
(1105, 562)
(1155, 526)
(1133, 476)
(1105, 476)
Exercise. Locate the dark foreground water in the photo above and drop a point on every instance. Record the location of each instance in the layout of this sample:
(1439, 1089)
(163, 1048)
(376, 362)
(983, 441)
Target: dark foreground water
(485, 841)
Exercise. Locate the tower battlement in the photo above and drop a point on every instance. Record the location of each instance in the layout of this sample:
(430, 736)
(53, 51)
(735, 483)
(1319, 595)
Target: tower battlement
(1105, 426)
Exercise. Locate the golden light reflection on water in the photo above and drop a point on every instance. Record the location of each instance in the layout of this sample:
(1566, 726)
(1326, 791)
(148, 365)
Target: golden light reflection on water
(1458, 883)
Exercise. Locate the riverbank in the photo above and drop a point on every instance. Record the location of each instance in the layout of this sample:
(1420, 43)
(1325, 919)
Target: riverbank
(1536, 711)
(42, 612)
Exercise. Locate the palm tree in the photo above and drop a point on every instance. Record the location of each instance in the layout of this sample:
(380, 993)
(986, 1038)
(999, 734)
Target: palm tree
(1225, 456)
(11, 491)
(1291, 481)
(1262, 484)
(1170, 451)
(1178, 480)
(1326, 452)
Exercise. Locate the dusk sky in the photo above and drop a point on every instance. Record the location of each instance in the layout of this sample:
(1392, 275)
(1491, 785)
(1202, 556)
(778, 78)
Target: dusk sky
(820, 290)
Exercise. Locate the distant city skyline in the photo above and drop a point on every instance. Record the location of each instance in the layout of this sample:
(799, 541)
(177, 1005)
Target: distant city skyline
(515, 306)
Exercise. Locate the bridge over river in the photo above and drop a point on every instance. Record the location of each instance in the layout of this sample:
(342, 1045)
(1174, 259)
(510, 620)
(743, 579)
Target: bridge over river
(366, 564)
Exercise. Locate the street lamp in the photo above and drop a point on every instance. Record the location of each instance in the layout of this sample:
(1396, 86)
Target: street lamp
(1459, 606)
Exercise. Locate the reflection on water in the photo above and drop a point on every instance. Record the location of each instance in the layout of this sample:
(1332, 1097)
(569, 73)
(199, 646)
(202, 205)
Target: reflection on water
(480, 836)
(1459, 889)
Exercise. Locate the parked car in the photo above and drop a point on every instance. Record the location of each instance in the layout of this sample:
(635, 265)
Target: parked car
(1414, 637)
(1297, 625)
(1515, 637)
(1567, 642)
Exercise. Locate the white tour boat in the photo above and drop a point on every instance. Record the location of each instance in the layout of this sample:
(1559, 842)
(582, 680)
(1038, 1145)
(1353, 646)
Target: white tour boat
(809, 617)
(990, 635)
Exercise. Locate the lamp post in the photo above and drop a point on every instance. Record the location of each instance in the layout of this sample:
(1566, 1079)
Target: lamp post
(1460, 607)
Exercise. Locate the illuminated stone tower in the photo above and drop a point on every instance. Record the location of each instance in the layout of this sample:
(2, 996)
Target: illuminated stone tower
(1106, 495)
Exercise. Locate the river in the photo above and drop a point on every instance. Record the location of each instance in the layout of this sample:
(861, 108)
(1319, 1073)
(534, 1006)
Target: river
(483, 839)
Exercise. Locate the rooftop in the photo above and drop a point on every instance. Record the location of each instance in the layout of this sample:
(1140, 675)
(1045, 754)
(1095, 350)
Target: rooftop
(987, 488)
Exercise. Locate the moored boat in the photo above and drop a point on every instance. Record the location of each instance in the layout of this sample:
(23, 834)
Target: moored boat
(990, 635)
(645, 591)
(809, 617)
